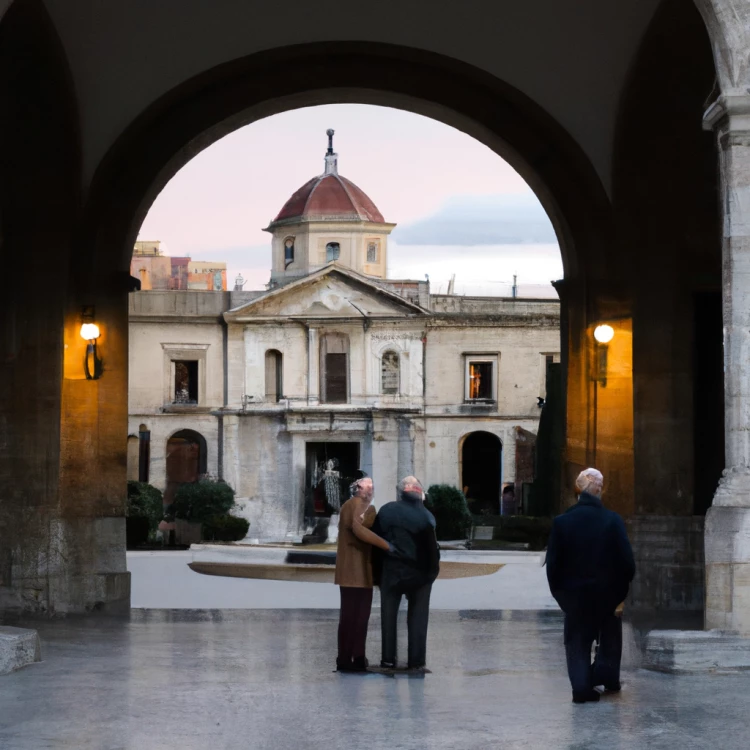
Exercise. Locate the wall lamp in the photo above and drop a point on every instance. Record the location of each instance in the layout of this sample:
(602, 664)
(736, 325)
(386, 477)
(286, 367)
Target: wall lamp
(92, 365)
(603, 335)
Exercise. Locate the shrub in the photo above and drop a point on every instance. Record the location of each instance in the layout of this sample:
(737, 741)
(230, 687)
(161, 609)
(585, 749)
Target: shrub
(199, 501)
(224, 528)
(451, 511)
(145, 501)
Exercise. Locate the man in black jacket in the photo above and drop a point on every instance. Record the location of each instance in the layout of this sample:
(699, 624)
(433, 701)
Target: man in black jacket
(589, 568)
(411, 570)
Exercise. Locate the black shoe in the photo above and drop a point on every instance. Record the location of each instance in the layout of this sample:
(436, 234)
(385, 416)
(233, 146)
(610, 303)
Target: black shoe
(613, 687)
(585, 696)
(387, 665)
(344, 665)
(359, 664)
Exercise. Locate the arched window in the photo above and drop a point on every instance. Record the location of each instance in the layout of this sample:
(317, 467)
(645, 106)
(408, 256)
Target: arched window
(389, 373)
(334, 368)
(372, 251)
(288, 251)
(333, 250)
(273, 375)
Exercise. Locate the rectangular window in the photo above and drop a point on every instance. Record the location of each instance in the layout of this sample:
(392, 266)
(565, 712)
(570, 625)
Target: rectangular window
(372, 252)
(480, 380)
(336, 380)
(186, 381)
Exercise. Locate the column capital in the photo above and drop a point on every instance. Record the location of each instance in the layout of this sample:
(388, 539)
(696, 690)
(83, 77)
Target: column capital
(730, 112)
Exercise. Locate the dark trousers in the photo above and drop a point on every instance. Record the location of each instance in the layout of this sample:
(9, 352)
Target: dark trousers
(417, 616)
(356, 604)
(580, 632)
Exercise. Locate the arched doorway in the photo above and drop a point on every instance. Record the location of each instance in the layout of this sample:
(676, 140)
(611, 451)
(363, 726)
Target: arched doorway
(481, 471)
(186, 461)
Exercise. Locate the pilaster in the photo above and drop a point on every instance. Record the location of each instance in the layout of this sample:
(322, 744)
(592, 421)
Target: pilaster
(727, 535)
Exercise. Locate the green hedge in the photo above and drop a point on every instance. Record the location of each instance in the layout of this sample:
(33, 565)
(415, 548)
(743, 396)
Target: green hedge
(145, 501)
(224, 529)
(448, 505)
(201, 500)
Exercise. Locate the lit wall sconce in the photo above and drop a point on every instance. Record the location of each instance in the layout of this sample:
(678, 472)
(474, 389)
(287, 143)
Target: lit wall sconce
(603, 335)
(92, 365)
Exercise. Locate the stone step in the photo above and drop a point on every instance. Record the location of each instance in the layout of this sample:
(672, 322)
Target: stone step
(695, 651)
(19, 647)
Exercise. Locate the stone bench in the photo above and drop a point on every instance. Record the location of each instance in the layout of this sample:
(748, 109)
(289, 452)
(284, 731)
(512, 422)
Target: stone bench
(19, 647)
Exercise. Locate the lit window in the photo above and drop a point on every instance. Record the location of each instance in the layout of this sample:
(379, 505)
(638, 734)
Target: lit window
(333, 250)
(389, 373)
(185, 381)
(480, 385)
(372, 252)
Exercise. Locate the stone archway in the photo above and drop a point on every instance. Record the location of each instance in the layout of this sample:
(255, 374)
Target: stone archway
(186, 460)
(88, 418)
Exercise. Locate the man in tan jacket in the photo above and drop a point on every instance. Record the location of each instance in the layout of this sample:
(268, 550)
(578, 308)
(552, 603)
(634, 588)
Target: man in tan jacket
(354, 574)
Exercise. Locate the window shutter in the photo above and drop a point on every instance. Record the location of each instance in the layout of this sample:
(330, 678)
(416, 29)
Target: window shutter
(336, 379)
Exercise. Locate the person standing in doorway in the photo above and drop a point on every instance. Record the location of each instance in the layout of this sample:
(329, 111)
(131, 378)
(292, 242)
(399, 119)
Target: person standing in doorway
(410, 529)
(589, 569)
(354, 574)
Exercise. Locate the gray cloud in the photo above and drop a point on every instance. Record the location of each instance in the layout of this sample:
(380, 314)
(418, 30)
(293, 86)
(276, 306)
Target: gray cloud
(482, 220)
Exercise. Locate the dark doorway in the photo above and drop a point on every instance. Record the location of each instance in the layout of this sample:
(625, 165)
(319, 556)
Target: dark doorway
(320, 497)
(708, 398)
(186, 461)
(481, 461)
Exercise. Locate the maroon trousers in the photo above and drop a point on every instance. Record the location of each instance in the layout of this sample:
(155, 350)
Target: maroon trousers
(356, 604)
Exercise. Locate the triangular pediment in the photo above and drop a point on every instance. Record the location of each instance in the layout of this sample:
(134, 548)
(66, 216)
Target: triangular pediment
(332, 292)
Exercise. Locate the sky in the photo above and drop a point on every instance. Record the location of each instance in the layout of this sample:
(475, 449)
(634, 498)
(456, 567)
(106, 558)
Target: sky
(459, 208)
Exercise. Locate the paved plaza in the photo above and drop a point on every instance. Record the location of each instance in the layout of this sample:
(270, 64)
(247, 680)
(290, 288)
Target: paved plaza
(199, 680)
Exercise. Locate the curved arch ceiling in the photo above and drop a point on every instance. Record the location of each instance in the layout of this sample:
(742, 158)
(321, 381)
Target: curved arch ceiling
(124, 56)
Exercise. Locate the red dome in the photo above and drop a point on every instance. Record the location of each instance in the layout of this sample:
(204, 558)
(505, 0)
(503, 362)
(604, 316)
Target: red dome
(330, 196)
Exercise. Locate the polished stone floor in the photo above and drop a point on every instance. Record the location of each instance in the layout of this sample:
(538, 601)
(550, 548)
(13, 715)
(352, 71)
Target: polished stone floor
(216, 680)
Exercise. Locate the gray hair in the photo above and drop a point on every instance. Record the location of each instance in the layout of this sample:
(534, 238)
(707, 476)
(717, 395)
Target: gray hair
(590, 481)
(401, 486)
(356, 484)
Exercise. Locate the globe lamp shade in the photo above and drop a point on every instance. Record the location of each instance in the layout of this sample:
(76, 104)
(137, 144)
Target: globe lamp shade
(604, 334)
(90, 331)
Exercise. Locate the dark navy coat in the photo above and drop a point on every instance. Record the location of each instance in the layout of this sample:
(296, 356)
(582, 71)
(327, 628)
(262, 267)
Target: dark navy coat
(410, 528)
(589, 559)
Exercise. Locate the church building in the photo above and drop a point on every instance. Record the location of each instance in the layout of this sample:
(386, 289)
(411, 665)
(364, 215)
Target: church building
(334, 367)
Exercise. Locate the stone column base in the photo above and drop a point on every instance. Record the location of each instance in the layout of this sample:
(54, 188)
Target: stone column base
(727, 544)
(695, 651)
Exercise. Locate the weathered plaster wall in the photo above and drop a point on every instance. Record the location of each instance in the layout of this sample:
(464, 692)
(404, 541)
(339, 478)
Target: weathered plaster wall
(520, 350)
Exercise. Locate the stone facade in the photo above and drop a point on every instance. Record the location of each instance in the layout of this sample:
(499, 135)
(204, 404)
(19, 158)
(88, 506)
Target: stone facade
(413, 420)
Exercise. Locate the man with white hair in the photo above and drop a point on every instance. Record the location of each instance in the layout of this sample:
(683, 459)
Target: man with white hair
(409, 571)
(589, 568)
